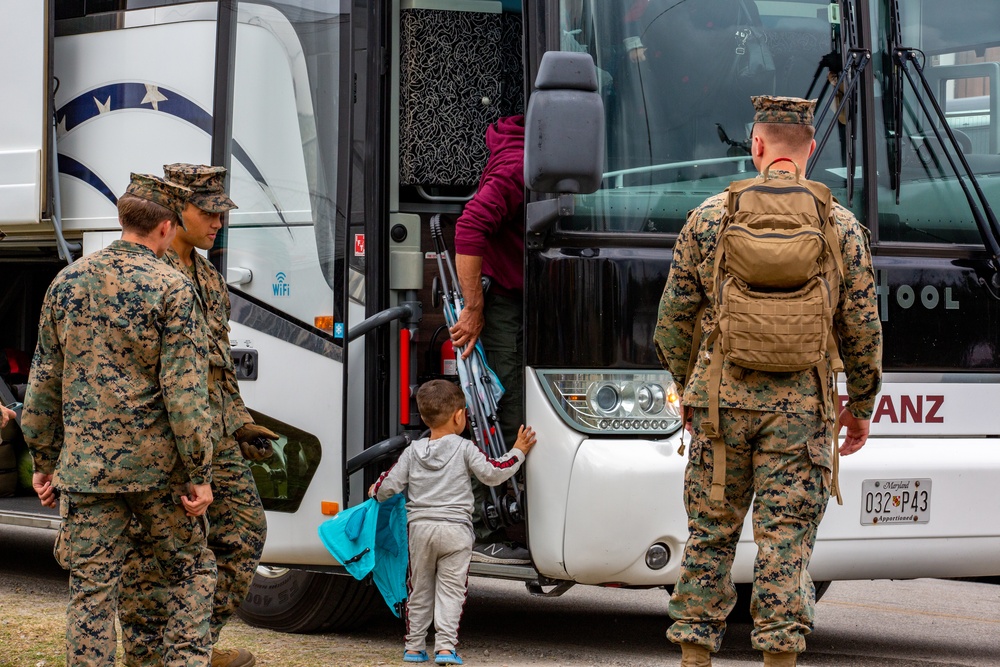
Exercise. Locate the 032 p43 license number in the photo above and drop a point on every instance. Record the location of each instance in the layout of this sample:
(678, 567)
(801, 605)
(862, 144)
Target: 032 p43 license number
(895, 501)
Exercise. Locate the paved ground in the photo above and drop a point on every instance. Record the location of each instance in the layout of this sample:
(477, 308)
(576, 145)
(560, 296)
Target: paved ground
(921, 623)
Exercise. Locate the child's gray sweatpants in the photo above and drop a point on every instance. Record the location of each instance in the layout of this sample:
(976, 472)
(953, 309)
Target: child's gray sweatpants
(440, 553)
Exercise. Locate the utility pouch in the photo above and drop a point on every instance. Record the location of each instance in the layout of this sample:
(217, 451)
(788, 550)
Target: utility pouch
(774, 331)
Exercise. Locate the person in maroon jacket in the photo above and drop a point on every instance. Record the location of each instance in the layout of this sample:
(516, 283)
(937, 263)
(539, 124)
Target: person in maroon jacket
(489, 259)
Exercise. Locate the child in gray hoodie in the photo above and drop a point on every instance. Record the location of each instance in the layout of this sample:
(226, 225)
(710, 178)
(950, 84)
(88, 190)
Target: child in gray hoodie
(436, 474)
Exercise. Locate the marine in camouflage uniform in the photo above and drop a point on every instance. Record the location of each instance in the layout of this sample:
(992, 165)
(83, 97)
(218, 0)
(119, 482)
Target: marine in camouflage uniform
(777, 430)
(115, 419)
(236, 517)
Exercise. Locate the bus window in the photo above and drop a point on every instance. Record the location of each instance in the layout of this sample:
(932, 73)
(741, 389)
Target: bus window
(961, 62)
(70, 9)
(283, 240)
(282, 479)
(676, 78)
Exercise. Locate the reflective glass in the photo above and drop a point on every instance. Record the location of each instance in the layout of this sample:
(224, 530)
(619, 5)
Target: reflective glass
(956, 44)
(676, 77)
(286, 141)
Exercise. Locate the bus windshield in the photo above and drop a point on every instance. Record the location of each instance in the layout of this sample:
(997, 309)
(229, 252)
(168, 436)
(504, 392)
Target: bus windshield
(676, 78)
(952, 51)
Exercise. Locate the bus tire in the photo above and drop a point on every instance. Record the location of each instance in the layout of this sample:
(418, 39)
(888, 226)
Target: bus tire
(298, 601)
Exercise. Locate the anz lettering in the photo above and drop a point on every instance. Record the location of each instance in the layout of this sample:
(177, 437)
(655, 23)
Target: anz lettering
(908, 296)
(906, 409)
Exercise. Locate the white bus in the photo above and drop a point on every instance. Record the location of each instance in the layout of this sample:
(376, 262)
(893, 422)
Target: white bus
(348, 125)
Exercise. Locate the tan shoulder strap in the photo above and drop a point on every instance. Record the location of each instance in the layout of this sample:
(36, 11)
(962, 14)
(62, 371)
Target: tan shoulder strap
(829, 222)
(835, 482)
(711, 426)
(695, 341)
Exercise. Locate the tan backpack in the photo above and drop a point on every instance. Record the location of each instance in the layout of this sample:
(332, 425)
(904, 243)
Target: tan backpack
(777, 280)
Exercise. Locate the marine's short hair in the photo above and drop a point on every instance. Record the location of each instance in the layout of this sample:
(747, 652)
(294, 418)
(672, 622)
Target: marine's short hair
(141, 215)
(437, 400)
(792, 136)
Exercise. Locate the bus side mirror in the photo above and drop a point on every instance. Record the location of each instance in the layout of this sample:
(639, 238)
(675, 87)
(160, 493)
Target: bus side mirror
(564, 126)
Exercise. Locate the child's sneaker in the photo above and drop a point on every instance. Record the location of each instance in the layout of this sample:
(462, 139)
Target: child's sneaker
(450, 658)
(415, 657)
(501, 554)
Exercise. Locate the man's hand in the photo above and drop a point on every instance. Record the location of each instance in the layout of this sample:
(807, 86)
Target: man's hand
(857, 432)
(6, 414)
(256, 441)
(42, 484)
(466, 331)
(198, 499)
(687, 414)
(525, 439)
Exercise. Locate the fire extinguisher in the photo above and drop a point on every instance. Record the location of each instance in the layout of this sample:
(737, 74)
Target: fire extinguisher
(449, 364)
(441, 359)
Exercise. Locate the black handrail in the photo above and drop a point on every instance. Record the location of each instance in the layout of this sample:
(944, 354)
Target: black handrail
(377, 452)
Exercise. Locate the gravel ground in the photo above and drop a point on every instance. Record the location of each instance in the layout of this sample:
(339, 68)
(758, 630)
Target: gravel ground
(921, 623)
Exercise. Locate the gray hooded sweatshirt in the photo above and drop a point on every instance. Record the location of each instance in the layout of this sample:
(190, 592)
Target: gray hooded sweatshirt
(436, 475)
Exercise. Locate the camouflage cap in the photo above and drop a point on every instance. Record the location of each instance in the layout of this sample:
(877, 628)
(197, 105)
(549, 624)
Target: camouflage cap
(155, 189)
(208, 185)
(785, 110)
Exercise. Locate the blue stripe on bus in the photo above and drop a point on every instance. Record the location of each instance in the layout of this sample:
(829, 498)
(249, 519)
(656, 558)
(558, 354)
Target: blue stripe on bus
(71, 167)
(132, 95)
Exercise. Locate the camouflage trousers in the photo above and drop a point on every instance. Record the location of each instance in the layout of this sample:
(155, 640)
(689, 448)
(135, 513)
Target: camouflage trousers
(92, 544)
(785, 459)
(237, 528)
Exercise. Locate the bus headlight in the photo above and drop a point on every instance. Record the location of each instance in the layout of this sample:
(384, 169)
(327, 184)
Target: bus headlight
(638, 403)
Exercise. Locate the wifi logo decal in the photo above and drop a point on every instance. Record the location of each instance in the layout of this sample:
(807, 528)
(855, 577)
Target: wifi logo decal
(281, 286)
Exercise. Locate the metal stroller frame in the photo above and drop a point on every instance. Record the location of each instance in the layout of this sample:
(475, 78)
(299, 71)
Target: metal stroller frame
(482, 391)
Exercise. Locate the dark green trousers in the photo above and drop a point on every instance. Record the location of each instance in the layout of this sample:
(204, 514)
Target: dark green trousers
(503, 341)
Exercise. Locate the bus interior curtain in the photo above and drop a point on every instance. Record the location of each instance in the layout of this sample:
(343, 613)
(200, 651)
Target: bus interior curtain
(459, 72)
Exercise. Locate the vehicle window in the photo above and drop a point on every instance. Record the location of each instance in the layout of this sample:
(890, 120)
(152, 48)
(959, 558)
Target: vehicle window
(286, 159)
(69, 9)
(676, 78)
(960, 59)
(282, 479)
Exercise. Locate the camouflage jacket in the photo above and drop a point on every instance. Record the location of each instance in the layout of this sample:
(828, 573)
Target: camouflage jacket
(118, 392)
(855, 321)
(213, 298)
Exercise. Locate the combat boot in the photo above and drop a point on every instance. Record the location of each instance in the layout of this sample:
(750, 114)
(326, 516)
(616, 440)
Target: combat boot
(233, 657)
(695, 655)
(779, 659)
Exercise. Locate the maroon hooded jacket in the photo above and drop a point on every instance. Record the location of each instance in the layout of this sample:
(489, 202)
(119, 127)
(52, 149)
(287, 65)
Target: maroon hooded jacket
(492, 224)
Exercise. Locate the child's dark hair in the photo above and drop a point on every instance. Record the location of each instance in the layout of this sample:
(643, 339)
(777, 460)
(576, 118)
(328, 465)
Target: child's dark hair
(438, 400)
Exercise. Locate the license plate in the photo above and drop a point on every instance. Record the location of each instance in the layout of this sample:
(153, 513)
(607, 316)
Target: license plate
(895, 501)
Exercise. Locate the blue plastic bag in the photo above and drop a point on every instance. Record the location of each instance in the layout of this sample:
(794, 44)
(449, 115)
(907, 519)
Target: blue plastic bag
(370, 538)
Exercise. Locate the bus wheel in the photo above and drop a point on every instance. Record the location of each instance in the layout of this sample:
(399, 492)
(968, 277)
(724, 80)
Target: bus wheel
(296, 601)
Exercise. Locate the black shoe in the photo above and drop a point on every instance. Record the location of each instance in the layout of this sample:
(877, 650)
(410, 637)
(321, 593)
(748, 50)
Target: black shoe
(500, 553)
